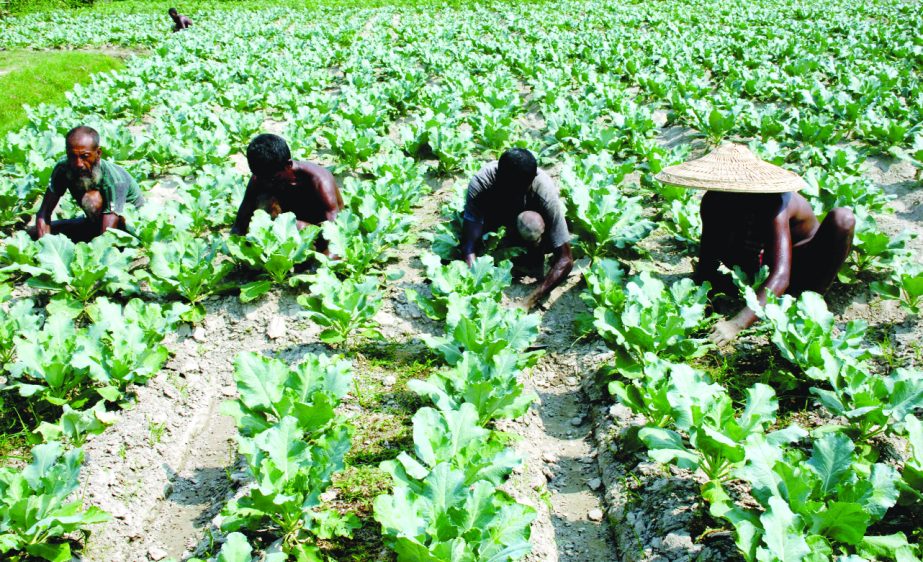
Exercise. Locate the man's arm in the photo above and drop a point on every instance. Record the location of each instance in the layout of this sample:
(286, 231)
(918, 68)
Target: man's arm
(43, 216)
(110, 220)
(330, 197)
(561, 266)
(780, 273)
(332, 201)
(471, 233)
(245, 211)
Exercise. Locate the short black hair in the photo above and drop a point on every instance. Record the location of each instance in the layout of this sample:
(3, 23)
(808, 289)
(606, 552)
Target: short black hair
(83, 130)
(172, 11)
(268, 154)
(518, 163)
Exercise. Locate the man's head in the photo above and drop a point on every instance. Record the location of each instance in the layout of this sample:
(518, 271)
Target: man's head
(517, 169)
(531, 227)
(173, 13)
(83, 156)
(270, 159)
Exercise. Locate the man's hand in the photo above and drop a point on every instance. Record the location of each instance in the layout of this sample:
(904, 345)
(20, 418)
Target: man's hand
(531, 301)
(725, 332)
(469, 259)
(41, 228)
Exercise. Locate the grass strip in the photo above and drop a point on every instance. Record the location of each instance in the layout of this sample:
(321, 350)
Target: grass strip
(34, 77)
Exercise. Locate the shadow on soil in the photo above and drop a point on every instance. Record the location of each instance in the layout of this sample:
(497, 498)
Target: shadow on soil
(207, 487)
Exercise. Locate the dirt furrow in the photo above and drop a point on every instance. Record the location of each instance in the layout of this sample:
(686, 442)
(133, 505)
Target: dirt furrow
(560, 476)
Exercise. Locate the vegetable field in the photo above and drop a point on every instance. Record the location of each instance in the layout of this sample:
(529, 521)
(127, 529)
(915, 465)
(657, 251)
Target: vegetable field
(179, 392)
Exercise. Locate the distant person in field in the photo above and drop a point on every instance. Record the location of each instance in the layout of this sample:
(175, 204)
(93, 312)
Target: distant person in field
(512, 192)
(100, 188)
(180, 22)
(753, 216)
(279, 185)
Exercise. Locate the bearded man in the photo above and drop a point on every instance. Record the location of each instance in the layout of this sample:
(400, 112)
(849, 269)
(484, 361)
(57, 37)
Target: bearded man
(100, 188)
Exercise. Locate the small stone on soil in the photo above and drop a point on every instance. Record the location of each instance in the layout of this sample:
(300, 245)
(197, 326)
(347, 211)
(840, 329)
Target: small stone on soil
(550, 458)
(595, 515)
(389, 380)
(276, 328)
(576, 421)
(156, 553)
(199, 334)
(595, 484)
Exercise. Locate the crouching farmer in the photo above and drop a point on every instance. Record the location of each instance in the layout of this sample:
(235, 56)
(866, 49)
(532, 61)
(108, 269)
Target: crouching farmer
(101, 188)
(279, 185)
(753, 216)
(512, 192)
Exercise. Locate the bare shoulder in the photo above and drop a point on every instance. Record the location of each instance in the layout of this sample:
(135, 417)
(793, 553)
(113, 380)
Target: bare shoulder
(319, 174)
(322, 181)
(797, 207)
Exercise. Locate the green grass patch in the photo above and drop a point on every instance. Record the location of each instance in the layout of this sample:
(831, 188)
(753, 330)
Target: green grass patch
(358, 486)
(379, 437)
(34, 77)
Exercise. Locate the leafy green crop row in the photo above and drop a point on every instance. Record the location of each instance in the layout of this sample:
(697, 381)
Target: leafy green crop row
(446, 502)
(67, 366)
(817, 491)
(293, 442)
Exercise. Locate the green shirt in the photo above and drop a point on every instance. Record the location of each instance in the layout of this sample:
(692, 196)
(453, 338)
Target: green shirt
(116, 186)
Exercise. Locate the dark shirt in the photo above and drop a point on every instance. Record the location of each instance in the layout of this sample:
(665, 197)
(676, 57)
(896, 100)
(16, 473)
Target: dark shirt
(487, 204)
(115, 185)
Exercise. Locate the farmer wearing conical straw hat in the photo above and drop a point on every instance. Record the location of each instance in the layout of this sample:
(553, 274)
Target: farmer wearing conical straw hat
(752, 216)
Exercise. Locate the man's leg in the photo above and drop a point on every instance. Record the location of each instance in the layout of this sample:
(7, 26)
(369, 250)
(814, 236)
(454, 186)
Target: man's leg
(816, 263)
(78, 230)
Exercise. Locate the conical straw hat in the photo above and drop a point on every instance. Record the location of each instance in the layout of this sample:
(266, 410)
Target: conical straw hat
(731, 167)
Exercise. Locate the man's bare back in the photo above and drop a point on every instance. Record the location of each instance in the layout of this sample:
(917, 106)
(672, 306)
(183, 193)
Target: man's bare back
(311, 194)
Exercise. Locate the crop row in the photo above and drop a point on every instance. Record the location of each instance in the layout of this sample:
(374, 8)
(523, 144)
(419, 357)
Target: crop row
(816, 490)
